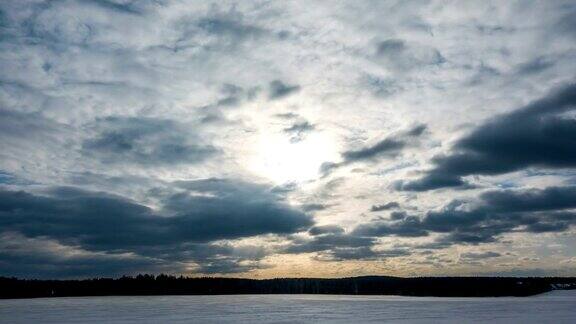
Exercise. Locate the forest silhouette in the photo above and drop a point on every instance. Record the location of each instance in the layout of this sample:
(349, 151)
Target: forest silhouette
(145, 284)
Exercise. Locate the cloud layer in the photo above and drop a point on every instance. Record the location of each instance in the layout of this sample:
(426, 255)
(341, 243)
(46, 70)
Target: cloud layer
(541, 134)
(204, 211)
(266, 139)
(496, 213)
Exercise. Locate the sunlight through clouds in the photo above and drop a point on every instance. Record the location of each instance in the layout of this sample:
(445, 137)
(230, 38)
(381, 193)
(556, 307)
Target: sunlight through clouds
(382, 137)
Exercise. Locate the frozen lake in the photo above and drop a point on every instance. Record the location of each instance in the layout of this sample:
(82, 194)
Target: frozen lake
(554, 307)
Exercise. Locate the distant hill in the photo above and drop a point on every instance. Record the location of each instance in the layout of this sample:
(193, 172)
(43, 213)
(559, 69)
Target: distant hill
(369, 285)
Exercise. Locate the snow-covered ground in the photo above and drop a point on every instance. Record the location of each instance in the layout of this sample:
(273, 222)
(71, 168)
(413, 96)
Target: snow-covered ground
(553, 307)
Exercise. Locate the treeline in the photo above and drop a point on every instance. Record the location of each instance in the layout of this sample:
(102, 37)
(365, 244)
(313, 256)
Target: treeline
(375, 285)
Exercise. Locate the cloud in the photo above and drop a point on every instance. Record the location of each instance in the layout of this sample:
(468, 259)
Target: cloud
(211, 258)
(496, 213)
(331, 242)
(346, 253)
(397, 54)
(45, 258)
(480, 255)
(277, 89)
(299, 130)
(230, 209)
(332, 246)
(25, 125)
(535, 66)
(29, 132)
(146, 141)
(230, 96)
(225, 266)
(406, 227)
(328, 241)
(398, 215)
(386, 206)
(388, 147)
(287, 116)
(217, 30)
(230, 26)
(204, 211)
(541, 134)
(127, 97)
(313, 207)
(326, 229)
(128, 8)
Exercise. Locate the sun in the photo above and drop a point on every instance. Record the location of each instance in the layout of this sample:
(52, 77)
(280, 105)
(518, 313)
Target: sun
(282, 161)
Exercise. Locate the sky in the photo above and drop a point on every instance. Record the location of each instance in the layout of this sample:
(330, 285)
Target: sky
(269, 139)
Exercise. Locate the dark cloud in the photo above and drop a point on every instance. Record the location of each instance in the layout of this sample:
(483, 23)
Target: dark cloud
(398, 215)
(480, 255)
(388, 147)
(40, 258)
(390, 47)
(331, 243)
(403, 56)
(299, 130)
(229, 209)
(331, 240)
(225, 266)
(203, 211)
(146, 141)
(416, 131)
(346, 253)
(278, 89)
(308, 207)
(287, 116)
(222, 31)
(326, 229)
(496, 213)
(222, 258)
(299, 127)
(541, 134)
(118, 6)
(7, 178)
(566, 24)
(407, 227)
(387, 206)
(537, 65)
(231, 96)
(432, 180)
(551, 198)
(230, 25)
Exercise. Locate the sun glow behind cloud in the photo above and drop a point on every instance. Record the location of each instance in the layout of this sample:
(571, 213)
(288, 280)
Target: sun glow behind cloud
(281, 160)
